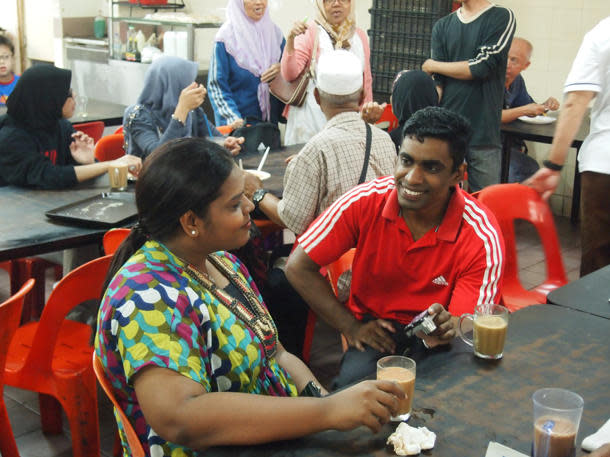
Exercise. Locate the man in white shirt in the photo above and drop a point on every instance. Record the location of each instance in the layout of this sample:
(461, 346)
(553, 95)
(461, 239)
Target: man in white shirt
(589, 79)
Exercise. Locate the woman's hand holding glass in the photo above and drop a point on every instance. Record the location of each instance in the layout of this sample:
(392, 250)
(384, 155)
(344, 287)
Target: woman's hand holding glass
(191, 97)
(368, 403)
(81, 148)
(134, 163)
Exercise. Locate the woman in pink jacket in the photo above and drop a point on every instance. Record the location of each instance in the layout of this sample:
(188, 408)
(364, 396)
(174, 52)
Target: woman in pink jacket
(335, 27)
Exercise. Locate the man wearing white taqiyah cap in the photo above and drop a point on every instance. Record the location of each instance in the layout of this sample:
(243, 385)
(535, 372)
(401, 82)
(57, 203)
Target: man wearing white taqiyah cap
(330, 164)
(339, 73)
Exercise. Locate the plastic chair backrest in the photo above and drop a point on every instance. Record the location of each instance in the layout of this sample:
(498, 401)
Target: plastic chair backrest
(82, 284)
(387, 120)
(509, 202)
(10, 316)
(94, 129)
(224, 129)
(334, 271)
(135, 446)
(113, 238)
(338, 267)
(110, 147)
(119, 129)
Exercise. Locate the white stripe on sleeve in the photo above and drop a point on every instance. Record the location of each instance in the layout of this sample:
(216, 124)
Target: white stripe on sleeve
(479, 221)
(324, 224)
(487, 51)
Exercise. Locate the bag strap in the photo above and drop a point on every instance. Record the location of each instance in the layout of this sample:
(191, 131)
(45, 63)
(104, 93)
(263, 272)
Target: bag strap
(127, 126)
(367, 153)
(314, 55)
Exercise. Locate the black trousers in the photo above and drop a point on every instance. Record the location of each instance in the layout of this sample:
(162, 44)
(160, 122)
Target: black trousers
(357, 365)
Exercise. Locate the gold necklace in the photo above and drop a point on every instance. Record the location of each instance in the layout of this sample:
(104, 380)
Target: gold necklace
(253, 313)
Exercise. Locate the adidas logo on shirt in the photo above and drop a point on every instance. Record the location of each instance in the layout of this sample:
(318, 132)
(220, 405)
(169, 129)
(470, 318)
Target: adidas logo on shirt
(440, 281)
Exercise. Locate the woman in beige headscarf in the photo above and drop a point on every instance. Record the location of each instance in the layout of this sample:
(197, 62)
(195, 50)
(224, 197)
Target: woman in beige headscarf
(335, 27)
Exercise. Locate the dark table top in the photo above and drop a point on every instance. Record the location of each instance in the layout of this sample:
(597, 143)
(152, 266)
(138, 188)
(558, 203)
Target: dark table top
(468, 402)
(590, 294)
(26, 231)
(99, 110)
(275, 164)
(543, 133)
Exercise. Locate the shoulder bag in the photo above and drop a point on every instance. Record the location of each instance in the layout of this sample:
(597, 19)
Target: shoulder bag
(257, 133)
(294, 93)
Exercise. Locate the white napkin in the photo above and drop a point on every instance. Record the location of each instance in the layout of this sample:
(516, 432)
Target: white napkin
(409, 440)
(598, 439)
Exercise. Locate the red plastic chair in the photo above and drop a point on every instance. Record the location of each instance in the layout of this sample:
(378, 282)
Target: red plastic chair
(10, 311)
(516, 201)
(94, 129)
(20, 270)
(332, 272)
(224, 129)
(267, 227)
(387, 121)
(135, 446)
(113, 238)
(110, 147)
(119, 129)
(53, 357)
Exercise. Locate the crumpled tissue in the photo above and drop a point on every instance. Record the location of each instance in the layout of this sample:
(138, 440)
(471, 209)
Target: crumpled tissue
(409, 440)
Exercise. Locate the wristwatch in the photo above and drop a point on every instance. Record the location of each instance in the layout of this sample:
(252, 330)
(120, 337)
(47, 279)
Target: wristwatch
(311, 390)
(258, 196)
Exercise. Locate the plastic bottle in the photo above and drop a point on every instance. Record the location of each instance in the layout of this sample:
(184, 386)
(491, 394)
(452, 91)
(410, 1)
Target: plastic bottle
(99, 26)
(132, 54)
(131, 35)
(140, 40)
(152, 40)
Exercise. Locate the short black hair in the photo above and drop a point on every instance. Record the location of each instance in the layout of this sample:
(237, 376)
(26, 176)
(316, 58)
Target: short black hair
(5, 41)
(443, 124)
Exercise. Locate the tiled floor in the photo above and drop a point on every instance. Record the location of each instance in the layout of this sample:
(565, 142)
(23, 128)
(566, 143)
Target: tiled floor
(326, 351)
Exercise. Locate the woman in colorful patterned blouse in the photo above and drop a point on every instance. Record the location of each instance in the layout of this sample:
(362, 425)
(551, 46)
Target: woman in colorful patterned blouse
(183, 331)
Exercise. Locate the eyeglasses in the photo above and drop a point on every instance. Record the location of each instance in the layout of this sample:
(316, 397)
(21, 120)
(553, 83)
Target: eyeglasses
(6, 57)
(341, 2)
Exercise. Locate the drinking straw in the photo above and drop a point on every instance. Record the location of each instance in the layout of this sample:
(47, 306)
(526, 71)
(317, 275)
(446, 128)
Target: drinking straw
(260, 165)
(241, 164)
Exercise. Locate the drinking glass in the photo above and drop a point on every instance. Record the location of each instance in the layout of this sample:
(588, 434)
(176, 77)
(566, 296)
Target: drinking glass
(401, 370)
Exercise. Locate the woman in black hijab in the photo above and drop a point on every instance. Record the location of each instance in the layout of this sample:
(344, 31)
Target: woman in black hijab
(412, 90)
(38, 146)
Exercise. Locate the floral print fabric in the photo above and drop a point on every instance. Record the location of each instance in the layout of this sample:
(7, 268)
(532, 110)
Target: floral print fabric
(153, 313)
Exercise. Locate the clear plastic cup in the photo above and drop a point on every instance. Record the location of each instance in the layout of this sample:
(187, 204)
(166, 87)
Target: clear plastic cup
(557, 414)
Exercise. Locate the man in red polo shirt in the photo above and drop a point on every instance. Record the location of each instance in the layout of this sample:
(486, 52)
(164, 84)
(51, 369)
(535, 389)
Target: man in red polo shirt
(421, 244)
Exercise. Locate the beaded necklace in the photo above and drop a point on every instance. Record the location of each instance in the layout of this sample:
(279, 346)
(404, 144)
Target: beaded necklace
(252, 313)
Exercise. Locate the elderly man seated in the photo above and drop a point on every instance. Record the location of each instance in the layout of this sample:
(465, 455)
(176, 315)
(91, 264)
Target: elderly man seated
(517, 101)
(345, 153)
(421, 244)
(336, 159)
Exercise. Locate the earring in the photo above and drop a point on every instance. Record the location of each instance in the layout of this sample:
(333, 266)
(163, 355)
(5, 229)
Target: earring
(194, 232)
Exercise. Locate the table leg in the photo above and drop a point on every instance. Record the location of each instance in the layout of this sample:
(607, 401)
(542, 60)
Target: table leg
(506, 147)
